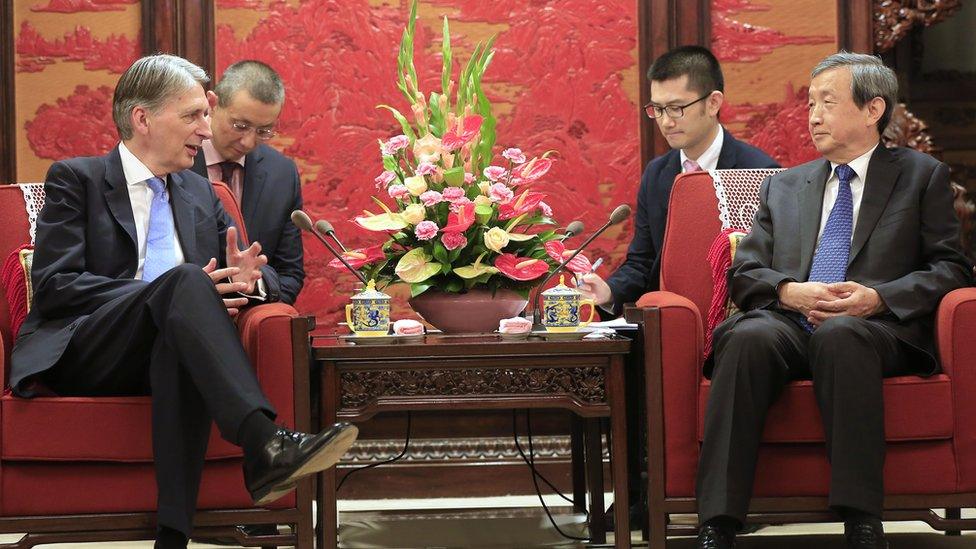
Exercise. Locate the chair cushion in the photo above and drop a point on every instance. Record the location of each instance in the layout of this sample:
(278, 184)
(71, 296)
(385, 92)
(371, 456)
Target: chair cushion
(60, 429)
(916, 408)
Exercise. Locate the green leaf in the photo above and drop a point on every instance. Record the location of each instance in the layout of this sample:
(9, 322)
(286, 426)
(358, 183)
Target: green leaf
(419, 288)
(446, 54)
(404, 123)
(454, 286)
(445, 268)
(440, 254)
(390, 163)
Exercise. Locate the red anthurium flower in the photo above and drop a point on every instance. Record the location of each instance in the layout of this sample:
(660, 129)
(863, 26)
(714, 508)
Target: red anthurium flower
(525, 203)
(521, 268)
(557, 250)
(359, 257)
(530, 171)
(459, 221)
(459, 137)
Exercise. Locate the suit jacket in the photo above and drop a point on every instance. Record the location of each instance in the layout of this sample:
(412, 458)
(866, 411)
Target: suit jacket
(905, 243)
(641, 271)
(272, 190)
(86, 253)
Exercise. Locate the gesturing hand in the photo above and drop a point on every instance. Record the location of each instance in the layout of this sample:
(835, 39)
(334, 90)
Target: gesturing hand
(232, 304)
(858, 300)
(248, 261)
(595, 288)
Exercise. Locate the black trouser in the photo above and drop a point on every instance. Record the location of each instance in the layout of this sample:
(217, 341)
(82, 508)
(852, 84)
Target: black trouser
(174, 340)
(846, 357)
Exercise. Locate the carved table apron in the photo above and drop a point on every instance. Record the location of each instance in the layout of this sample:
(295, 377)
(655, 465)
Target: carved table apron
(482, 372)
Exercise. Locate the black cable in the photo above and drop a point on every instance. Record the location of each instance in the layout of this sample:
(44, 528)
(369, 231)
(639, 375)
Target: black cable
(530, 461)
(406, 445)
(531, 465)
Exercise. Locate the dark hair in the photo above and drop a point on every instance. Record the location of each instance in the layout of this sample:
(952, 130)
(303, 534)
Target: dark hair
(260, 80)
(701, 66)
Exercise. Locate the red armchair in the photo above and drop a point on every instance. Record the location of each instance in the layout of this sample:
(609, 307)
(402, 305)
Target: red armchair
(80, 469)
(931, 456)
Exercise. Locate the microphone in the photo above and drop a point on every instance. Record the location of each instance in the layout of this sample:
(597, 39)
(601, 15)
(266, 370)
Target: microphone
(620, 213)
(327, 229)
(304, 222)
(573, 229)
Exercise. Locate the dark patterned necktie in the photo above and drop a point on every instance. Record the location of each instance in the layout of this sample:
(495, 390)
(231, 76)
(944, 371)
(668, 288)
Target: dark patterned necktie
(227, 170)
(834, 251)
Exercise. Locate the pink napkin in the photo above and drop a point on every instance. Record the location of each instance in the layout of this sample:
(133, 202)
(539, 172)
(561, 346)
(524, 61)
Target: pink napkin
(407, 327)
(515, 325)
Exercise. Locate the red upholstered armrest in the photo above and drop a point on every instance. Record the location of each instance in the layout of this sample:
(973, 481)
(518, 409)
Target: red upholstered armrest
(681, 345)
(233, 209)
(267, 337)
(956, 338)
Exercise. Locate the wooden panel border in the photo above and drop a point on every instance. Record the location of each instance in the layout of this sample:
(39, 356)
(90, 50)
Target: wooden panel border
(180, 27)
(8, 148)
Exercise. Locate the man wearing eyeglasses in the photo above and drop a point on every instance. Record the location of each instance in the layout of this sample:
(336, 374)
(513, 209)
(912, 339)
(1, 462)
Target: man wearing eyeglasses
(250, 96)
(686, 96)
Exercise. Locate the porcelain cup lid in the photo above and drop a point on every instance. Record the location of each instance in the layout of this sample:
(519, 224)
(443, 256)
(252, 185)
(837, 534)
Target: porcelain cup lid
(371, 292)
(561, 289)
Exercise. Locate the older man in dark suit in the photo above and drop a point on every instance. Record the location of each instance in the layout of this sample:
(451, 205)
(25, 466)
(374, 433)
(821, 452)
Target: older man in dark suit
(839, 281)
(137, 274)
(249, 97)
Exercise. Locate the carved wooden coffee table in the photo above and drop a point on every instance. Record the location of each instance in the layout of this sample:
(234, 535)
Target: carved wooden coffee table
(475, 372)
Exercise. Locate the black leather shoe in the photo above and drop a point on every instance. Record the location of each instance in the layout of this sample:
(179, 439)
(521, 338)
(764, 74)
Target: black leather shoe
(638, 517)
(290, 456)
(712, 537)
(865, 534)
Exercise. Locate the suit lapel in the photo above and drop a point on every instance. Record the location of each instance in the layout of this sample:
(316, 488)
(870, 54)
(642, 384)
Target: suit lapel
(728, 157)
(200, 164)
(882, 175)
(183, 216)
(254, 178)
(810, 204)
(117, 195)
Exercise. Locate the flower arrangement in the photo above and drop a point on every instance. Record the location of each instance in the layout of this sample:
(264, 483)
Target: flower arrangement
(459, 217)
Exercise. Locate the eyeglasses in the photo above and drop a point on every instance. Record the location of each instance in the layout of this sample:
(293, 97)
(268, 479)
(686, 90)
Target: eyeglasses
(673, 111)
(262, 133)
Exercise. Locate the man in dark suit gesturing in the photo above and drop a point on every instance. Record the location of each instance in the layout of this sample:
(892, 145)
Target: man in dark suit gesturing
(686, 95)
(839, 280)
(250, 96)
(137, 273)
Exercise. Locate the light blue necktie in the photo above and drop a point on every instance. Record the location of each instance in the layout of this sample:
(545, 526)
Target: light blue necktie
(834, 250)
(161, 236)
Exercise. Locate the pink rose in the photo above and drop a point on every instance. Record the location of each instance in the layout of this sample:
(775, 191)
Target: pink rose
(514, 155)
(468, 178)
(499, 192)
(453, 194)
(431, 198)
(453, 241)
(395, 144)
(426, 168)
(425, 230)
(460, 203)
(398, 191)
(384, 179)
(546, 210)
(494, 173)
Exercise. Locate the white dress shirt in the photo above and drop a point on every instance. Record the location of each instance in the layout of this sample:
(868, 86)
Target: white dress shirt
(860, 167)
(140, 197)
(708, 159)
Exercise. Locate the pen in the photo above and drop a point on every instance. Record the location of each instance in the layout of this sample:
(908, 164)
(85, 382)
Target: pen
(596, 264)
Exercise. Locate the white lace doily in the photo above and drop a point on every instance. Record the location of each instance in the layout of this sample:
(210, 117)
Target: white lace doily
(738, 195)
(33, 202)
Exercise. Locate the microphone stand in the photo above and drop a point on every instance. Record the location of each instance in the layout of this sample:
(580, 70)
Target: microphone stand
(536, 312)
(301, 219)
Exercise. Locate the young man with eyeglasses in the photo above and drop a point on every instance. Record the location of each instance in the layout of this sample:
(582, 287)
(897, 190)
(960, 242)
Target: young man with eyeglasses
(249, 98)
(686, 96)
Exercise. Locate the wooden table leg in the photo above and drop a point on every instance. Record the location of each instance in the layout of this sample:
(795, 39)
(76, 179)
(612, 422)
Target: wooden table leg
(578, 463)
(327, 529)
(594, 480)
(618, 453)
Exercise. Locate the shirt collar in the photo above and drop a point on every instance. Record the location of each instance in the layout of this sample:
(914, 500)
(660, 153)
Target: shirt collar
(212, 157)
(708, 159)
(859, 165)
(133, 168)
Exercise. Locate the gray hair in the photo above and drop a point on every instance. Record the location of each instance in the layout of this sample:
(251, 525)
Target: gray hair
(260, 80)
(149, 83)
(870, 78)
